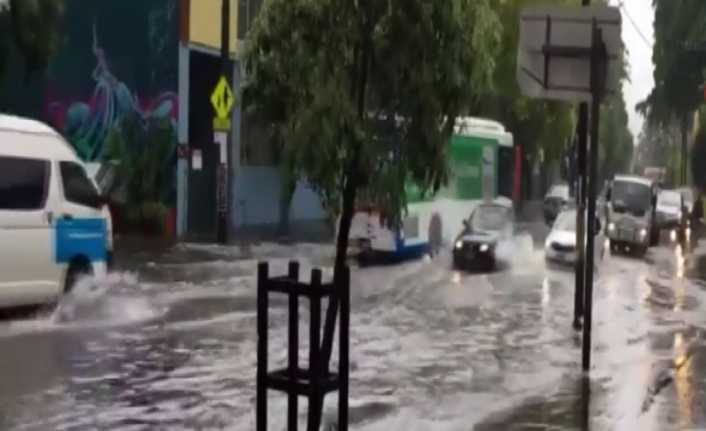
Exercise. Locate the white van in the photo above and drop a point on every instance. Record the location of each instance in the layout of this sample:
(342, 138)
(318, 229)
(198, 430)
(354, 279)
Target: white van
(54, 225)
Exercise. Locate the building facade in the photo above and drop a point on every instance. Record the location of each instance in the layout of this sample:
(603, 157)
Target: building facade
(132, 83)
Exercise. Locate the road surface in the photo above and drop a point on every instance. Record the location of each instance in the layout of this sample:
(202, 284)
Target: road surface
(168, 342)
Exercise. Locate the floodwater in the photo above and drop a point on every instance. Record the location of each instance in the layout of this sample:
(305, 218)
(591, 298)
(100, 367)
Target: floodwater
(168, 342)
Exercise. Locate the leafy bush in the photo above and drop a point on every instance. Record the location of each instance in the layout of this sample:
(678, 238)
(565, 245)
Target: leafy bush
(144, 150)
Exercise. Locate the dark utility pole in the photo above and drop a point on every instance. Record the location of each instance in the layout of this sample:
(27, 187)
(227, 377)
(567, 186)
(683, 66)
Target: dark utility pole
(684, 148)
(579, 271)
(599, 60)
(222, 173)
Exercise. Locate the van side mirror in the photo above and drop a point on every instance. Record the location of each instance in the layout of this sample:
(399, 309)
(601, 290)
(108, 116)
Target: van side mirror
(466, 225)
(598, 226)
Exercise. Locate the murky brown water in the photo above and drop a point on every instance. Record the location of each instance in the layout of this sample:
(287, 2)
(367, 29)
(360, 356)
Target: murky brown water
(172, 346)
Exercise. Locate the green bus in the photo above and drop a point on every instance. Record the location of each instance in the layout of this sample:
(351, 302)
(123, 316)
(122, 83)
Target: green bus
(483, 167)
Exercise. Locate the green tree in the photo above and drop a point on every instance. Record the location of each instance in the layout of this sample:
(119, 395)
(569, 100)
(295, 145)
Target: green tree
(366, 94)
(616, 141)
(547, 125)
(679, 60)
(537, 125)
(326, 73)
(144, 172)
(698, 156)
(34, 27)
(657, 146)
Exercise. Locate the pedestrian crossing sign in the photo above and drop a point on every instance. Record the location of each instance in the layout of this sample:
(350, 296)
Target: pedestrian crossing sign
(222, 100)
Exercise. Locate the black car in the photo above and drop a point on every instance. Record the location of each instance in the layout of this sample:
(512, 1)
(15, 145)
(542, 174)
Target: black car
(475, 246)
(554, 202)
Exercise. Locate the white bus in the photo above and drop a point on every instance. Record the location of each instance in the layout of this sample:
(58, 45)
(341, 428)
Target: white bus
(483, 165)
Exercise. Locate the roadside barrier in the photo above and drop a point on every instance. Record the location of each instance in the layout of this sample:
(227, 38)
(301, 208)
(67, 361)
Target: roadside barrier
(316, 381)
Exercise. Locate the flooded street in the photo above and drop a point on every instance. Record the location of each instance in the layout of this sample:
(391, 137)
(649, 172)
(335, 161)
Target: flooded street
(168, 342)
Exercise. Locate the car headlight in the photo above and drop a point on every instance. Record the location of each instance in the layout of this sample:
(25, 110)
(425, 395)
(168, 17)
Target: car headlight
(643, 233)
(484, 248)
(459, 244)
(611, 226)
(673, 235)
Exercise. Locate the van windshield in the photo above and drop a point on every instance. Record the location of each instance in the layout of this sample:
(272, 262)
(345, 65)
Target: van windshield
(632, 197)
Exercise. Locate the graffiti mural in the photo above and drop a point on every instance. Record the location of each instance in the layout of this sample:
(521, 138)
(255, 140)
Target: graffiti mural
(87, 124)
(112, 91)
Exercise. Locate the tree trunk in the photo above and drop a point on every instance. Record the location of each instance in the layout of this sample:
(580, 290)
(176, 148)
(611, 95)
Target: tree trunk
(358, 88)
(288, 187)
(348, 206)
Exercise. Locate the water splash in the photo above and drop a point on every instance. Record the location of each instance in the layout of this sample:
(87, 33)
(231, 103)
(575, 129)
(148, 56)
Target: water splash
(110, 300)
(519, 253)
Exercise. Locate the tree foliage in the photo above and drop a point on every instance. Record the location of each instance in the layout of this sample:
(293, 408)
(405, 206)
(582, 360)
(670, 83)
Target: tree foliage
(365, 93)
(679, 60)
(616, 141)
(536, 124)
(655, 145)
(698, 155)
(34, 28)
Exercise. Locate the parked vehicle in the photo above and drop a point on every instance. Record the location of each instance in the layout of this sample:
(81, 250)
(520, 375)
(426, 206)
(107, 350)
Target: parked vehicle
(670, 210)
(54, 226)
(688, 196)
(560, 246)
(475, 246)
(554, 202)
(631, 207)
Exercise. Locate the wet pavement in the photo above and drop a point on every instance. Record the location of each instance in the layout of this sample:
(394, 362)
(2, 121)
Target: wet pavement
(168, 342)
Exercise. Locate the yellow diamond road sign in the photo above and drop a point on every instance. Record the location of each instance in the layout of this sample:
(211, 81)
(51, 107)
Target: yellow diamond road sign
(222, 100)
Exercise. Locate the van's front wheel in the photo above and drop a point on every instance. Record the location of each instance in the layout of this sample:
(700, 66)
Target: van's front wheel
(78, 269)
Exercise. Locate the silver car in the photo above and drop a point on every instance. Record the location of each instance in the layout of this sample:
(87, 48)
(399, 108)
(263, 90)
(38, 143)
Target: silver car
(670, 206)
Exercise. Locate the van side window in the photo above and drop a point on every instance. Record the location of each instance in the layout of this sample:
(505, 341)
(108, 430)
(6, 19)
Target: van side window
(78, 188)
(23, 183)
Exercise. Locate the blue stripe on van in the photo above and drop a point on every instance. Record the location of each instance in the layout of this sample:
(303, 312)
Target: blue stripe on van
(80, 237)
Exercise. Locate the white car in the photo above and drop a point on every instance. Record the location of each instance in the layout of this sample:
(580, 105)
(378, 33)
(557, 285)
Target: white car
(560, 246)
(54, 226)
(670, 207)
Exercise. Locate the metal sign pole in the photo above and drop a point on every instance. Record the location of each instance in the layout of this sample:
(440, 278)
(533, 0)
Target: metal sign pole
(598, 62)
(579, 269)
(222, 192)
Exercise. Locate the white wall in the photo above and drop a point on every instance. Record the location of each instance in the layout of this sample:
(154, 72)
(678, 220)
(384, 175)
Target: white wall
(257, 198)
